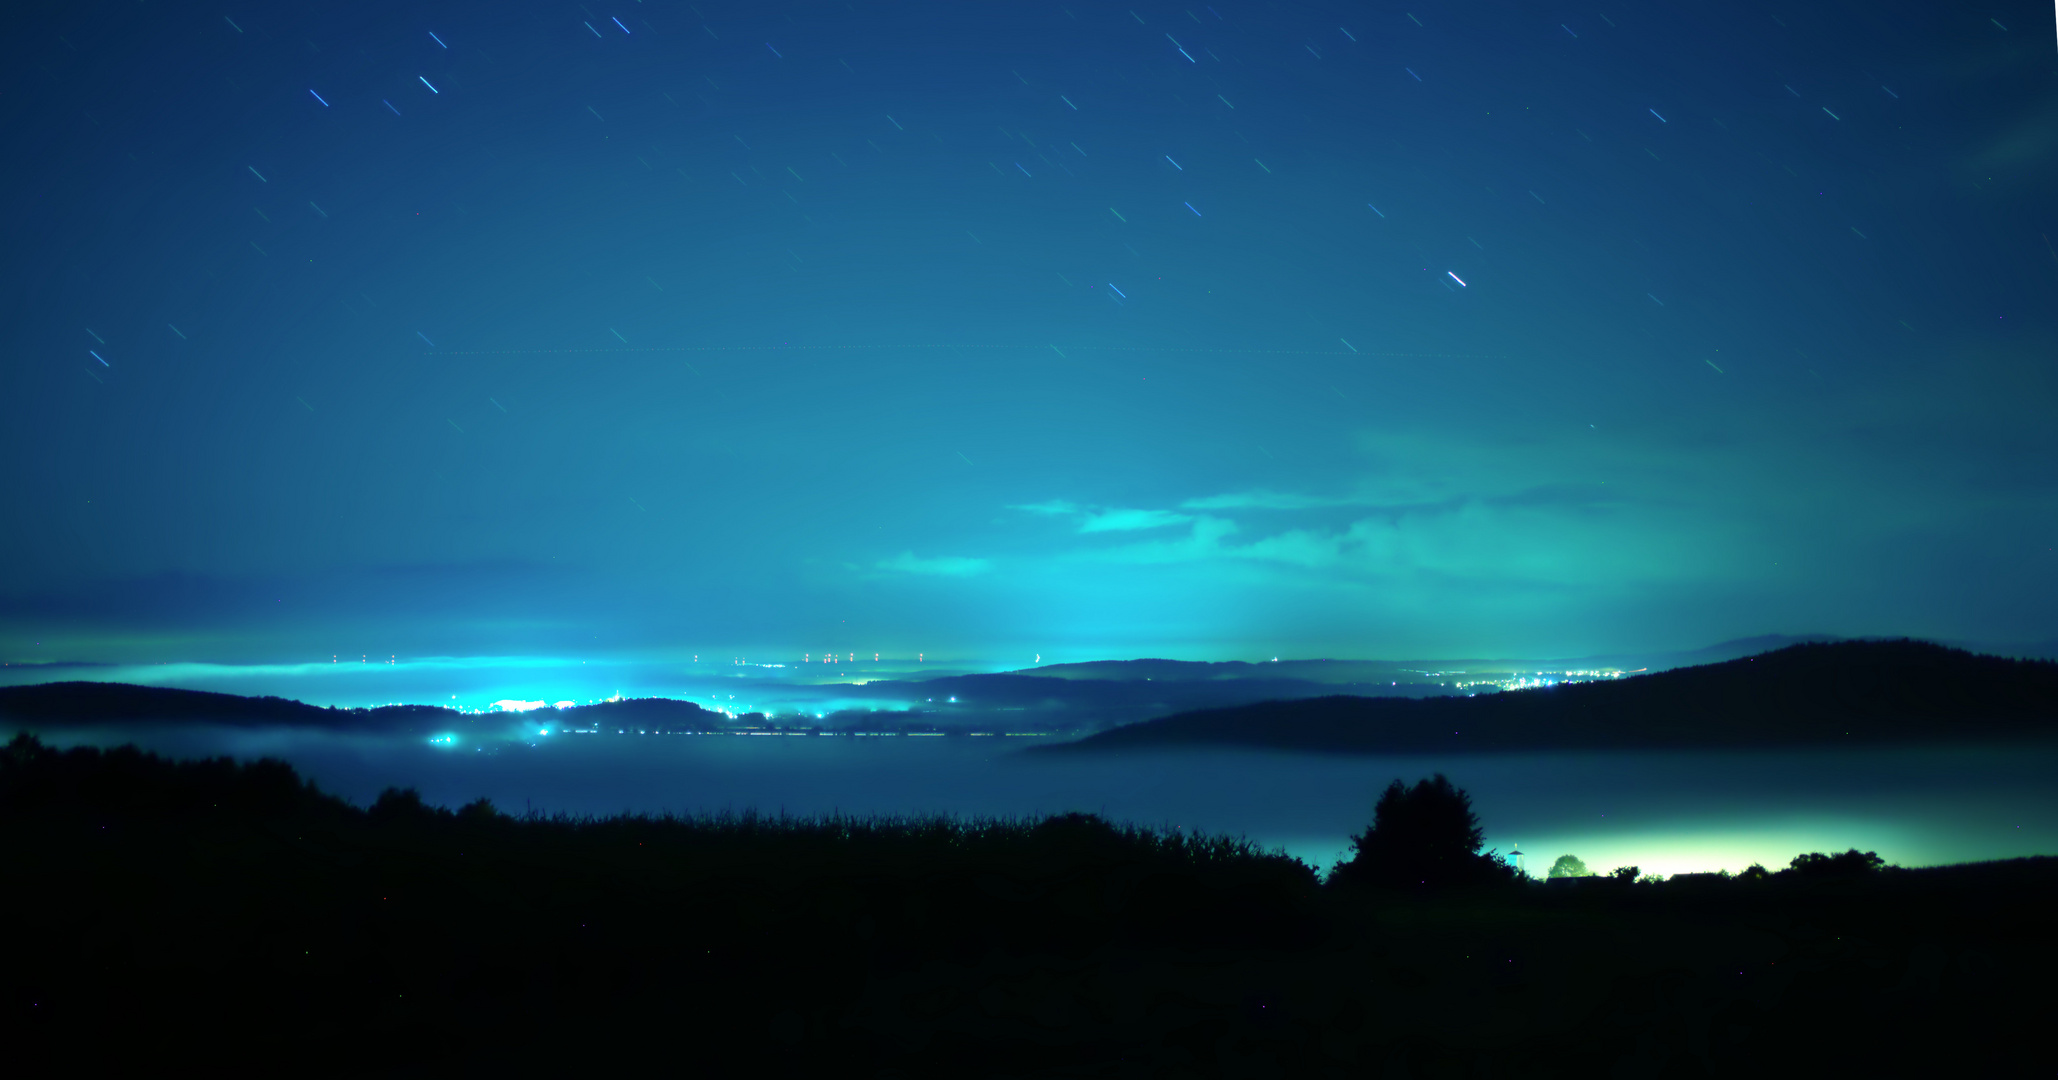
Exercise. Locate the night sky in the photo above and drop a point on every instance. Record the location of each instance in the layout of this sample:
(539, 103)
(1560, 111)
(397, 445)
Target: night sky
(992, 331)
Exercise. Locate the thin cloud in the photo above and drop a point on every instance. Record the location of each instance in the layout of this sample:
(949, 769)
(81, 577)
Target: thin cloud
(1129, 520)
(1053, 508)
(1269, 500)
(1107, 519)
(1475, 540)
(948, 566)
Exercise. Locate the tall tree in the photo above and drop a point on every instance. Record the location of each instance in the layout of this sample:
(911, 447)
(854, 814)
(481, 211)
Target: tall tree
(1424, 836)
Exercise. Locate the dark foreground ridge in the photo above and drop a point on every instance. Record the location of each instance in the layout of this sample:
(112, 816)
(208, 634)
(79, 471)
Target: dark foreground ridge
(1816, 694)
(233, 917)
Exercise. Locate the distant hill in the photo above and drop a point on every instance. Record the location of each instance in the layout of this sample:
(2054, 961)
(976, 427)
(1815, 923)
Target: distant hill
(62, 704)
(1811, 694)
(645, 714)
(1381, 672)
(1014, 702)
(1164, 670)
(67, 703)
(1094, 703)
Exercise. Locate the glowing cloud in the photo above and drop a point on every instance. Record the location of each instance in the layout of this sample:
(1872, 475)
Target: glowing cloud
(1106, 519)
(907, 563)
(1127, 520)
(1054, 507)
(1268, 500)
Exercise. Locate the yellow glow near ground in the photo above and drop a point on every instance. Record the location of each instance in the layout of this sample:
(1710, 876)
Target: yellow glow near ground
(1685, 849)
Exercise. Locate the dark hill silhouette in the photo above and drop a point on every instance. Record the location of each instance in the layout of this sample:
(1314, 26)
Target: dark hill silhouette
(1027, 702)
(1810, 694)
(646, 714)
(63, 704)
(1150, 668)
(1060, 698)
(1334, 672)
(1105, 700)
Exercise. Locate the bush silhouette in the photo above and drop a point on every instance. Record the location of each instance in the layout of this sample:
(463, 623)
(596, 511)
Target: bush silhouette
(1569, 866)
(1424, 836)
(479, 811)
(402, 806)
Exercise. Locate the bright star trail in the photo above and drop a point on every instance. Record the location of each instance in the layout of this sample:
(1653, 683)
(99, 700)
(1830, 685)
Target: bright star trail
(993, 331)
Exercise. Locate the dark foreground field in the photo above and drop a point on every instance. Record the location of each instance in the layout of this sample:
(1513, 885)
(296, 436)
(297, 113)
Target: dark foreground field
(231, 918)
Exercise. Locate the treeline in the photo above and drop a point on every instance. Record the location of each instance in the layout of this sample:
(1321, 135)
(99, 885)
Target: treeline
(234, 915)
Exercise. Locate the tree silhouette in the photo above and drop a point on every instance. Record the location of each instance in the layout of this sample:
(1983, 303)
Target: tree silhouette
(1852, 863)
(1422, 837)
(1569, 866)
